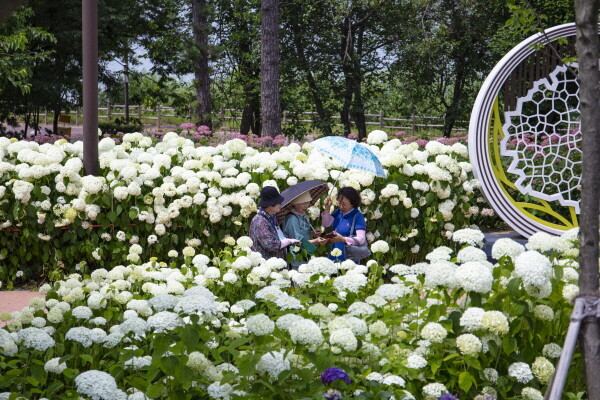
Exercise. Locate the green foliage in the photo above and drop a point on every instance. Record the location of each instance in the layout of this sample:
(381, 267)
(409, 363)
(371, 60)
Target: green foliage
(112, 128)
(21, 49)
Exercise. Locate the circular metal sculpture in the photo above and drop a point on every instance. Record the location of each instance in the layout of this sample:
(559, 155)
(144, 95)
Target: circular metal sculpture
(524, 136)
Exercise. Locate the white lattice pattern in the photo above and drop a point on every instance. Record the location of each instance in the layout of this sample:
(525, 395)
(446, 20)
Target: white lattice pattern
(543, 138)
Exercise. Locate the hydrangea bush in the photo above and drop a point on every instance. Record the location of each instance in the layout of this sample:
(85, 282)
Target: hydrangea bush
(152, 197)
(236, 326)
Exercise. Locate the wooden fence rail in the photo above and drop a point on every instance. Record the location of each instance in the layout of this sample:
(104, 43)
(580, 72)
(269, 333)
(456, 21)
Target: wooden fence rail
(162, 117)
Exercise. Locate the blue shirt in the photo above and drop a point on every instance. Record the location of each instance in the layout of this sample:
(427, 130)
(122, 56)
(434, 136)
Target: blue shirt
(342, 223)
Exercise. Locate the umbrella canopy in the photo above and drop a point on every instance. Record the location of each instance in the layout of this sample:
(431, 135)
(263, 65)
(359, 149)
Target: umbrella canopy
(314, 188)
(350, 153)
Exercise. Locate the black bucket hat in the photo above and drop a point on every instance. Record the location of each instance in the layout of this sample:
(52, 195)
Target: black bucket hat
(269, 196)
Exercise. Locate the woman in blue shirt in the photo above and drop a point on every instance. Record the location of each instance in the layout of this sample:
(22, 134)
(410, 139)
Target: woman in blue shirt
(342, 220)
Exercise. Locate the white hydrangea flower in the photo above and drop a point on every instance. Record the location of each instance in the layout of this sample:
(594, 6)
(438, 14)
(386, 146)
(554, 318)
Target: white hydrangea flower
(473, 276)
(543, 312)
(570, 291)
(521, 372)
(416, 361)
(217, 391)
(377, 137)
(53, 366)
(98, 385)
(506, 247)
(260, 325)
(441, 273)
(273, 363)
(533, 268)
(435, 389)
(542, 369)
(472, 319)
(35, 338)
(441, 253)
(552, 350)
(470, 253)
(468, 344)
(468, 236)
(434, 332)
(380, 246)
(490, 374)
(529, 393)
(495, 322)
(306, 332)
(343, 338)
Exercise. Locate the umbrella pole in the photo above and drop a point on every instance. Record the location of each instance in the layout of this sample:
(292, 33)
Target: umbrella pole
(335, 183)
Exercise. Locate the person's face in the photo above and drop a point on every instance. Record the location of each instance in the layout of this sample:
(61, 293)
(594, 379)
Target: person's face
(272, 210)
(302, 207)
(344, 204)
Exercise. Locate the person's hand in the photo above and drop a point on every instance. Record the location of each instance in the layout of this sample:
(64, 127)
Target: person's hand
(295, 242)
(319, 241)
(327, 204)
(316, 233)
(337, 239)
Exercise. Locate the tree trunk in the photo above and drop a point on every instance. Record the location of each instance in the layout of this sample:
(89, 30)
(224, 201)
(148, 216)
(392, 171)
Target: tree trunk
(455, 104)
(586, 15)
(346, 56)
(55, 120)
(358, 108)
(201, 70)
(323, 117)
(247, 119)
(269, 68)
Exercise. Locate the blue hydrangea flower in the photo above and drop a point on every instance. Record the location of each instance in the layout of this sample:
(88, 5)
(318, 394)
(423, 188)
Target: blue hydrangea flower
(334, 373)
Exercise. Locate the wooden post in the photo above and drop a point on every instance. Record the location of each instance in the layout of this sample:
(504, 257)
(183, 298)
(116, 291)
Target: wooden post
(107, 111)
(284, 118)
(89, 17)
(140, 113)
(380, 119)
(158, 116)
(413, 124)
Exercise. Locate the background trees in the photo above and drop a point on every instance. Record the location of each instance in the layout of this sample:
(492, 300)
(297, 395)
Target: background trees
(336, 57)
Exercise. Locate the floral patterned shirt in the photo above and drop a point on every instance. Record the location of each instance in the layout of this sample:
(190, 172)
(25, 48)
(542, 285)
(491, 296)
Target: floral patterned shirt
(265, 239)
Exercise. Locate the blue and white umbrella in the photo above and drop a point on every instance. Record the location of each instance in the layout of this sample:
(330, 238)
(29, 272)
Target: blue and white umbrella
(350, 154)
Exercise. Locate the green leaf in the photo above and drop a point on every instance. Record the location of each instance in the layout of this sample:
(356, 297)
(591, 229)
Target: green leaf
(133, 213)
(112, 216)
(169, 364)
(473, 362)
(87, 358)
(465, 380)
(190, 337)
(513, 287)
(53, 388)
(154, 390)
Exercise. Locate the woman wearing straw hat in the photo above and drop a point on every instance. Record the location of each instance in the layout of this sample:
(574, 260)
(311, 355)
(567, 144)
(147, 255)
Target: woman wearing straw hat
(267, 237)
(297, 226)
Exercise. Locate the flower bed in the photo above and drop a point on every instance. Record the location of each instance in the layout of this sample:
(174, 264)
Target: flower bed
(232, 327)
(153, 196)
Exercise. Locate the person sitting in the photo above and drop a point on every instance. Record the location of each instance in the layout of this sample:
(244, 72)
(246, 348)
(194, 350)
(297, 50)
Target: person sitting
(267, 237)
(297, 226)
(349, 224)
